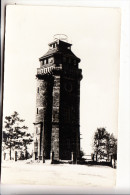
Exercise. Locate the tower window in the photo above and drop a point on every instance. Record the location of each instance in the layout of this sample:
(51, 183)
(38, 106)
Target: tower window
(50, 60)
(37, 110)
(54, 45)
(38, 90)
(37, 130)
(46, 61)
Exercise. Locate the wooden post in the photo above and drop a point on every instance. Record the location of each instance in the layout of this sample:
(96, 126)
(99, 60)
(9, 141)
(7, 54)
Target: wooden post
(10, 150)
(43, 157)
(72, 157)
(15, 155)
(4, 155)
(52, 157)
(92, 157)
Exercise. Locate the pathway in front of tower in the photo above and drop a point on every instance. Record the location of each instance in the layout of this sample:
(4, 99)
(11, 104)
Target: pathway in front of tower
(63, 174)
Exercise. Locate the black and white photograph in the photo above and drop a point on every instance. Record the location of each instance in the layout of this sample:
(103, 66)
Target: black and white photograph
(61, 96)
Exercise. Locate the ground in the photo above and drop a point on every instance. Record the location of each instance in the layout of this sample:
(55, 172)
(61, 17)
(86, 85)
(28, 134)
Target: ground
(21, 172)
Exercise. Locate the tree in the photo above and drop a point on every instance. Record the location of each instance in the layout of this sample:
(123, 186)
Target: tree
(113, 146)
(104, 144)
(15, 133)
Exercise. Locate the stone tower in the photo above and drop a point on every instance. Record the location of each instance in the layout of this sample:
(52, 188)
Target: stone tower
(57, 127)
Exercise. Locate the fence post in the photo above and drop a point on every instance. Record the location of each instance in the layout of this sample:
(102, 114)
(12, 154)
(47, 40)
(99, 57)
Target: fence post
(15, 155)
(43, 157)
(4, 155)
(92, 157)
(52, 157)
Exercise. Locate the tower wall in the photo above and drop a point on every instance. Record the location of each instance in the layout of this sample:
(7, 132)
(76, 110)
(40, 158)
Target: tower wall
(48, 116)
(55, 117)
(69, 117)
(40, 113)
(41, 99)
(43, 124)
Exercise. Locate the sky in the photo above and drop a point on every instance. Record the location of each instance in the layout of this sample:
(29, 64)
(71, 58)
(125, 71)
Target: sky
(95, 37)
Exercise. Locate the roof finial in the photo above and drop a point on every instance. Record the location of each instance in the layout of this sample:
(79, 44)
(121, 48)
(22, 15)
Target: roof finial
(62, 37)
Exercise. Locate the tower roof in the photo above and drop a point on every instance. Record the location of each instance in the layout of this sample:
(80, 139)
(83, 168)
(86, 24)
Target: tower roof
(60, 42)
(59, 47)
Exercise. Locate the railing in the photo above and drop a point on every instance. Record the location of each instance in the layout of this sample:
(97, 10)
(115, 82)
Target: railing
(48, 69)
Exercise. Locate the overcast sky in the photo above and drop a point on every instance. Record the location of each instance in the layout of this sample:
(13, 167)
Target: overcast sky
(95, 35)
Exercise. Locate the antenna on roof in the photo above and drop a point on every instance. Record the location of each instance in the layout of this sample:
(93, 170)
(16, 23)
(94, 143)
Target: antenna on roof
(61, 37)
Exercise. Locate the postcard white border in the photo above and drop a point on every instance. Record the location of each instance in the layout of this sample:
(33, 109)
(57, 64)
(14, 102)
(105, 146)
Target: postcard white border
(123, 176)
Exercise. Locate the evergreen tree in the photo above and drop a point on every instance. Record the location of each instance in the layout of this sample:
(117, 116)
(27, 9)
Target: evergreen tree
(15, 133)
(104, 144)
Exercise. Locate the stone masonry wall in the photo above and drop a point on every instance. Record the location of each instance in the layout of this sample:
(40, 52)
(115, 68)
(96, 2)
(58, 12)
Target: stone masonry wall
(41, 99)
(55, 117)
(40, 112)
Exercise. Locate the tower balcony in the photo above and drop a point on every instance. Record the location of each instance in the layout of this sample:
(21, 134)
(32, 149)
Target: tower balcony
(49, 69)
